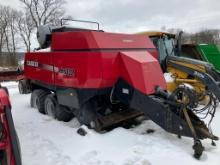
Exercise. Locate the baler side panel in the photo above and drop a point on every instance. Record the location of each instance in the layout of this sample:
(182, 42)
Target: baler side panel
(98, 40)
(142, 71)
(110, 67)
(84, 68)
(39, 66)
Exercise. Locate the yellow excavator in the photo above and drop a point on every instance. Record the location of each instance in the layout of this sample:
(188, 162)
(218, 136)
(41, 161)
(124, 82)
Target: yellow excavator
(184, 73)
(192, 82)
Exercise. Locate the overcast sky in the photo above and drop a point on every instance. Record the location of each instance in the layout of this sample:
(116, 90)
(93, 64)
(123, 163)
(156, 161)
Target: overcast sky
(138, 15)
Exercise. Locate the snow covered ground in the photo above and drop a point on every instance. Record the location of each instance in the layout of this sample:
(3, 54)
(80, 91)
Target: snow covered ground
(45, 141)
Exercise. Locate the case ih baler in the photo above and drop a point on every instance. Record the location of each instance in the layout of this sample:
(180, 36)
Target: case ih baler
(105, 79)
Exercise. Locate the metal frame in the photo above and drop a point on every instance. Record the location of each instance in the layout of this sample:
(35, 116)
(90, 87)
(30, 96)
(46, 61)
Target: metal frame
(66, 19)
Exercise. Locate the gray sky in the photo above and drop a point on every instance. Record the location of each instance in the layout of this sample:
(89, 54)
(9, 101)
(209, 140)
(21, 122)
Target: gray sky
(138, 15)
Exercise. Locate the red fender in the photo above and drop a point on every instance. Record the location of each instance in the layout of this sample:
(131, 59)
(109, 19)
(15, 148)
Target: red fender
(9, 144)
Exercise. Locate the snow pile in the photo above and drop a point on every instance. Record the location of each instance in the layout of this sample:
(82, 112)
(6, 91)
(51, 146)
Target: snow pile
(45, 141)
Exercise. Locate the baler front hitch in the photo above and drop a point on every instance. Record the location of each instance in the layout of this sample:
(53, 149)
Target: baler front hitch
(198, 148)
(169, 114)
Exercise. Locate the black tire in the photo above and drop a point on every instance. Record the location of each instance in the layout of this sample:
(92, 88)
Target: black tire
(22, 87)
(3, 158)
(50, 105)
(34, 95)
(63, 114)
(33, 99)
(37, 99)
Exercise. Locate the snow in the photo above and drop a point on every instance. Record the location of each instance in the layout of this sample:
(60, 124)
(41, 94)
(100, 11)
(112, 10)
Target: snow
(168, 77)
(44, 50)
(49, 142)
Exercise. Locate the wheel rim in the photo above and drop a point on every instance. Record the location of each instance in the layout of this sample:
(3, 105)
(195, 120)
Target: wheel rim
(50, 108)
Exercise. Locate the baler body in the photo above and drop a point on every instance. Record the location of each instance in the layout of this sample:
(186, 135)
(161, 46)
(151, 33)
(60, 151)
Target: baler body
(105, 79)
(96, 60)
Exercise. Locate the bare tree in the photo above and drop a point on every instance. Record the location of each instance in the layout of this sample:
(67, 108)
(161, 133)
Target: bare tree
(44, 11)
(3, 25)
(26, 27)
(8, 29)
(12, 19)
(209, 36)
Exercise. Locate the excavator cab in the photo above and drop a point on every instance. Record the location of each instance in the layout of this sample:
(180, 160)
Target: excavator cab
(183, 69)
(166, 47)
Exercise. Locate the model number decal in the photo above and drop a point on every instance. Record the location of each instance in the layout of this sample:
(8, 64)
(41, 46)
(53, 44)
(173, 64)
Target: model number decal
(64, 71)
(67, 71)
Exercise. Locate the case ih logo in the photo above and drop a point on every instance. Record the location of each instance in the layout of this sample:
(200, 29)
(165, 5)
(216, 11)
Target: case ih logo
(32, 63)
(65, 71)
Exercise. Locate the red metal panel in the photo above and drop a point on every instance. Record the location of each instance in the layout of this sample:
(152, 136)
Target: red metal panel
(87, 71)
(142, 71)
(97, 69)
(5, 142)
(4, 100)
(154, 53)
(38, 66)
(98, 40)
(110, 66)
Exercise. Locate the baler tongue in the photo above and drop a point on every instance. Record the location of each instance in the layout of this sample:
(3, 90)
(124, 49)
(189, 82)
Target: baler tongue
(168, 114)
(141, 93)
